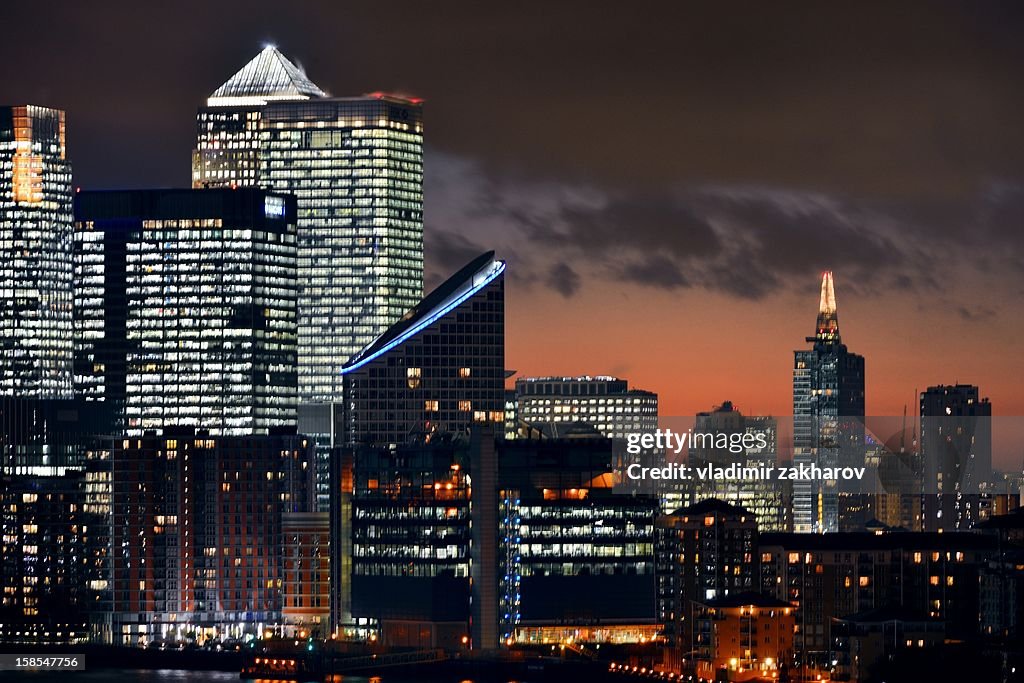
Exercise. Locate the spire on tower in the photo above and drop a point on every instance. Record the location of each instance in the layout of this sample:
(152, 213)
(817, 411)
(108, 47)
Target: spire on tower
(828, 317)
(828, 294)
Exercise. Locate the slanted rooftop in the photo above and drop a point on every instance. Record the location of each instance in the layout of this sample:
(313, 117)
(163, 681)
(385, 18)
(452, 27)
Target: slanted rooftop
(268, 76)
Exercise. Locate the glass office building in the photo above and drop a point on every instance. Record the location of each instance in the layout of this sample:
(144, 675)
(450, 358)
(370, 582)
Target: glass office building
(35, 236)
(187, 308)
(828, 416)
(440, 368)
(356, 167)
(605, 403)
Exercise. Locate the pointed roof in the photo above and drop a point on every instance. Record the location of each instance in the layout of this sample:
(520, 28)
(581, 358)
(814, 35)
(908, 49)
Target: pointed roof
(828, 315)
(268, 76)
(828, 294)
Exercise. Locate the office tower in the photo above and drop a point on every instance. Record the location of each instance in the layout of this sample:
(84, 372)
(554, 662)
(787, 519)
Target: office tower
(193, 321)
(228, 141)
(36, 237)
(704, 552)
(412, 577)
(828, 416)
(441, 367)
(198, 533)
(607, 404)
(765, 498)
(499, 543)
(574, 559)
(356, 167)
(956, 451)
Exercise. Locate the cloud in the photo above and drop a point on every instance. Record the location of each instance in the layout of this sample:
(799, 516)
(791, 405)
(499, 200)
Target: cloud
(975, 313)
(563, 279)
(654, 271)
(745, 242)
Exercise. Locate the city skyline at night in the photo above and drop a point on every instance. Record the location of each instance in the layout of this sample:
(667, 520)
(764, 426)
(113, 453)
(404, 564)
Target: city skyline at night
(291, 389)
(672, 232)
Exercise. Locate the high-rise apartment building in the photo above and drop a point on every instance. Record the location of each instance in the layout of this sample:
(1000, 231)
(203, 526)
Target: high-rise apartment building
(198, 534)
(186, 308)
(828, 416)
(356, 167)
(704, 552)
(36, 238)
(956, 452)
(607, 404)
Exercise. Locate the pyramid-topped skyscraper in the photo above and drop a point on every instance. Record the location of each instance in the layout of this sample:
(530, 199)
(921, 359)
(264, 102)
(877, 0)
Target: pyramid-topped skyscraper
(355, 166)
(268, 76)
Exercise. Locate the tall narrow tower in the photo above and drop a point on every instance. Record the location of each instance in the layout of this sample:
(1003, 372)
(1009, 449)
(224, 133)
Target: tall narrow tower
(828, 415)
(36, 346)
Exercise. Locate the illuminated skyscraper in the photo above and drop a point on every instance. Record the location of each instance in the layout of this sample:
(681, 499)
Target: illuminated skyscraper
(35, 237)
(356, 167)
(828, 386)
(185, 310)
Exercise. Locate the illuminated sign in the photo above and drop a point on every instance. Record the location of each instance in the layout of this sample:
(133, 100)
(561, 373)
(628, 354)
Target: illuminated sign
(273, 207)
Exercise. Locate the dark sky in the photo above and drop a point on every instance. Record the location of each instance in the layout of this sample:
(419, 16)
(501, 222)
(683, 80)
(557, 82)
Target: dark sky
(667, 180)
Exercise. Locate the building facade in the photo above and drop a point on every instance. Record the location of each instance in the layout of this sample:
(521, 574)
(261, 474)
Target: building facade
(186, 308)
(410, 529)
(45, 570)
(440, 368)
(574, 559)
(828, 417)
(956, 451)
(768, 499)
(705, 551)
(605, 403)
(748, 635)
(356, 167)
(306, 611)
(833, 576)
(36, 236)
(197, 528)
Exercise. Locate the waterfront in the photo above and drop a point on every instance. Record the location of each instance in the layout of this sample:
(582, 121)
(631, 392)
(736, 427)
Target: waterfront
(183, 676)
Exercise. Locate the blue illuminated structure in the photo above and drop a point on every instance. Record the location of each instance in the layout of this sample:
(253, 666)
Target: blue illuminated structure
(440, 367)
(424, 315)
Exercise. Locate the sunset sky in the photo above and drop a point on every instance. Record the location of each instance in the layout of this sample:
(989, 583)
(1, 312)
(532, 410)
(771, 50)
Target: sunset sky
(667, 185)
